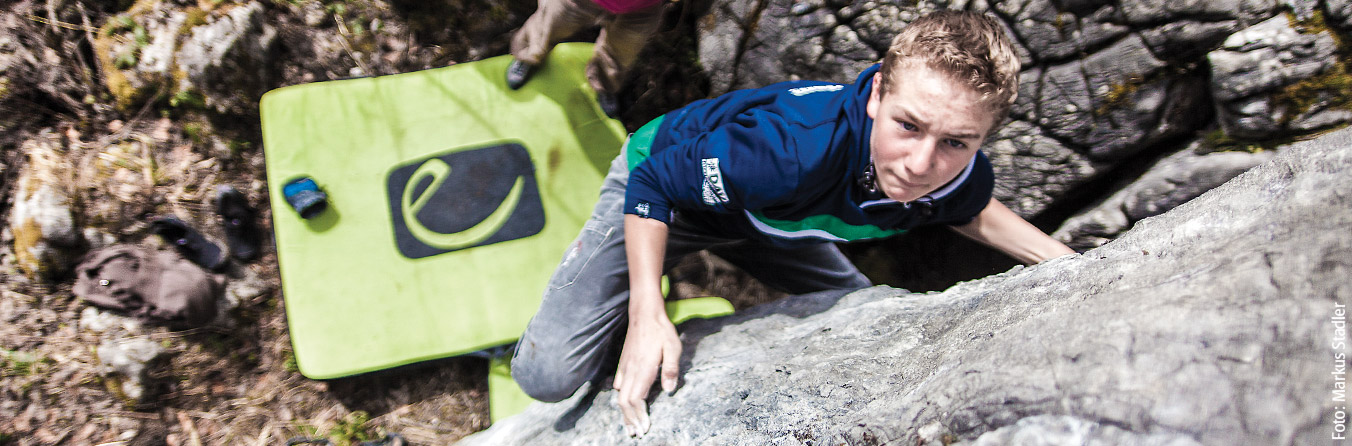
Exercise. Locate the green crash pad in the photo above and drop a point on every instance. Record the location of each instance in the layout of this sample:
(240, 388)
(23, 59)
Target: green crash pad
(451, 200)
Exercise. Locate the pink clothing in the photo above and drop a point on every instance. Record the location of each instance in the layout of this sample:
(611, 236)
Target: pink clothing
(626, 6)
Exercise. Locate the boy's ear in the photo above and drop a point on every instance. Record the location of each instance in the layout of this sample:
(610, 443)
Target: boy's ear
(874, 98)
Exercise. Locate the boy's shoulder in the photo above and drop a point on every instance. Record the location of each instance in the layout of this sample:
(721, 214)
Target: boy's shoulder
(798, 103)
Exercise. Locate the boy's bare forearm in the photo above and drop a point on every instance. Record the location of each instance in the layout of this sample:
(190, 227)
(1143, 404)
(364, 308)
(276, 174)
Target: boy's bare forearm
(645, 246)
(998, 227)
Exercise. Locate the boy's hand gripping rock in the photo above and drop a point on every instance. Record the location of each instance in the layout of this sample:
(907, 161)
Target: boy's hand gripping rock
(651, 343)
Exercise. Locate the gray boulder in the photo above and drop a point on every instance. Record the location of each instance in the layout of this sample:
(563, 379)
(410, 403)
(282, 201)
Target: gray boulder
(751, 44)
(127, 364)
(42, 220)
(1114, 102)
(1160, 11)
(1034, 168)
(1207, 324)
(227, 59)
(1170, 182)
(1050, 33)
(1252, 68)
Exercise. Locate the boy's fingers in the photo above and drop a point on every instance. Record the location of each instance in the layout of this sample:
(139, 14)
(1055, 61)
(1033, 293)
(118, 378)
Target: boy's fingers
(671, 367)
(625, 413)
(632, 404)
(643, 421)
(627, 390)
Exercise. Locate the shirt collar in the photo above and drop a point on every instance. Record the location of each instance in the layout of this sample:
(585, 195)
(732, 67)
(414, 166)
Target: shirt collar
(937, 194)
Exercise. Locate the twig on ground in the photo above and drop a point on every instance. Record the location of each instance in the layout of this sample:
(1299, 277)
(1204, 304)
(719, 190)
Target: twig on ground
(194, 438)
(342, 38)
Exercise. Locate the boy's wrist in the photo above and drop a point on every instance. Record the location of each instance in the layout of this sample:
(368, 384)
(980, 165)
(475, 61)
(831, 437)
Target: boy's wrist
(646, 305)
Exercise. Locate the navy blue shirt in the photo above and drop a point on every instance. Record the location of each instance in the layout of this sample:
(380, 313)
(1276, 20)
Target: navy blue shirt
(782, 164)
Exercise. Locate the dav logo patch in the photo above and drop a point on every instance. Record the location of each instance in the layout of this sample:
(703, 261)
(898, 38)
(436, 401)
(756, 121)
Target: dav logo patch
(463, 198)
(712, 186)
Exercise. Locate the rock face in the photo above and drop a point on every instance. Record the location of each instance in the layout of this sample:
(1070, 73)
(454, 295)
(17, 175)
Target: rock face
(1172, 181)
(1264, 58)
(1214, 323)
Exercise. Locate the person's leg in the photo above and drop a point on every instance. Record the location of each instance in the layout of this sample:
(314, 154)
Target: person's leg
(585, 308)
(796, 270)
(552, 21)
(584, 304)
(618, 46)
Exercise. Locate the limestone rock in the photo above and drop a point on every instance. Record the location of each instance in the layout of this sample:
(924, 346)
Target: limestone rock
(214, 58)
(128, 361)
(1115, 102)
(752, 44)
(227, 59)
(1160, 11)
(1207, 324)
(1172, 181)
(1053, 430)
(1255, 64)
(1033, 169)
(1052, 31)
(46, 237)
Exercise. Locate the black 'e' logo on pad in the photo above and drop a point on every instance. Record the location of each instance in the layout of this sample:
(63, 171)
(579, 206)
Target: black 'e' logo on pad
(464, 198)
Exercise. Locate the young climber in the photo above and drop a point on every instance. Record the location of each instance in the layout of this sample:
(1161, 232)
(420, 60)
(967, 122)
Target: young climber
(627, 25)
(768, 179)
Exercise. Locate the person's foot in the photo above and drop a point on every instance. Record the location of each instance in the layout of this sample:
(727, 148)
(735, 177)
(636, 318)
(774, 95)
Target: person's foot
(192, 245)
(518, 73)
(609, 104)
(242, 234)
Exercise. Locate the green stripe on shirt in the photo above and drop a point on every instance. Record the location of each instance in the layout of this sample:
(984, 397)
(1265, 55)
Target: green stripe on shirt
(827, 227)
(640, 144)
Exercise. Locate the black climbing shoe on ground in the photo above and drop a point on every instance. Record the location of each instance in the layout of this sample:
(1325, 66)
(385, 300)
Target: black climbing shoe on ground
(609, 104)
(192, 245)
(240, 222)
(518, 73)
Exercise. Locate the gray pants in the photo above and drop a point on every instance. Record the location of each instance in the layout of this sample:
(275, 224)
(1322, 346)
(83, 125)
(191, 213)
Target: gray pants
(622, 37)
(580, 326)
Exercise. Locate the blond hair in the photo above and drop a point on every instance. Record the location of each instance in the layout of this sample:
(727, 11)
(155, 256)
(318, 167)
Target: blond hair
(971, 48)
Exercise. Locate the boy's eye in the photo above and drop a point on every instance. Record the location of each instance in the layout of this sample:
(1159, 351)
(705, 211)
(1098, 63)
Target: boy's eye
(908, 126)
(955, 143)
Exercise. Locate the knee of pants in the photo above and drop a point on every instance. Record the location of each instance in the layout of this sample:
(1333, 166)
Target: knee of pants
(545, 379)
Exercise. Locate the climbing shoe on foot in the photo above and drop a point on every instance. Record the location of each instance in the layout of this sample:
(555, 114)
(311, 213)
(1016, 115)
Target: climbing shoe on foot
(518, 73)
(609, 104)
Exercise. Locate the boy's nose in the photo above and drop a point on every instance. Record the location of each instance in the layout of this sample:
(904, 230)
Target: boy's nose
(921, 160)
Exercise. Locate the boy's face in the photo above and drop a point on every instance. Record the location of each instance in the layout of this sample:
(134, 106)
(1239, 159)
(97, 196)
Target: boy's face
(925, 130)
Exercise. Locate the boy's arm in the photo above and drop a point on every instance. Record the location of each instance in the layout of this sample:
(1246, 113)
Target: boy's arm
(651, 341)
(1000, 228)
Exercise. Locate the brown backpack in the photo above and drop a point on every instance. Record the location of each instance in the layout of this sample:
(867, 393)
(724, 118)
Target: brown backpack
(159, 286)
